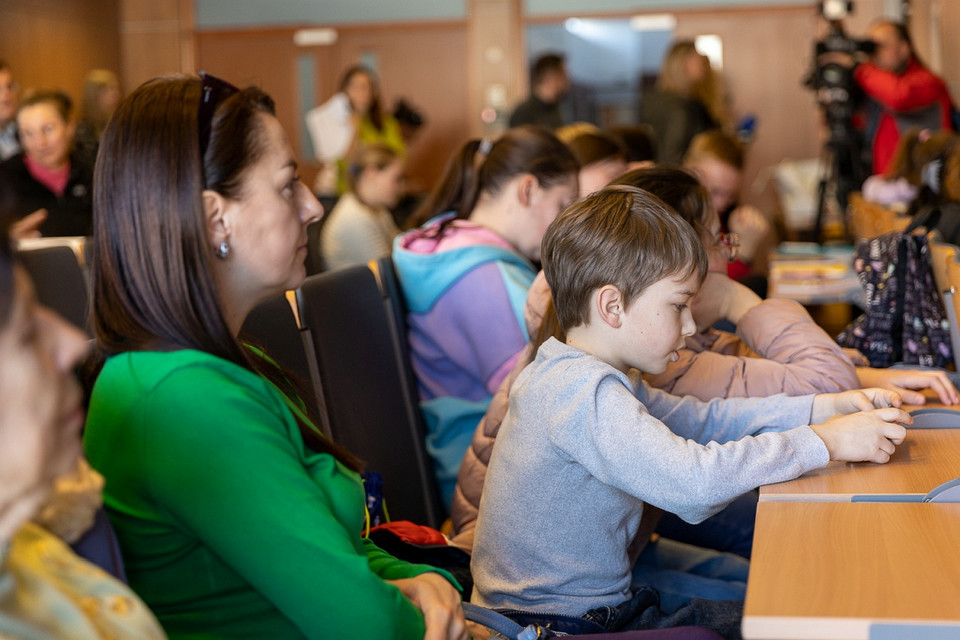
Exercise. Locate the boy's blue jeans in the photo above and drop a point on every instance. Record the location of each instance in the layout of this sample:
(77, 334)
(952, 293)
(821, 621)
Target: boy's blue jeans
(730, 530)
(681, 572)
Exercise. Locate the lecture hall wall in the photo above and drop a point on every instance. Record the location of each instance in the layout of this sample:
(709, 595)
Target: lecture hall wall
(436, 53)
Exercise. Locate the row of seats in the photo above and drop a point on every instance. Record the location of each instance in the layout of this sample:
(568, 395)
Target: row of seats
(352, 355)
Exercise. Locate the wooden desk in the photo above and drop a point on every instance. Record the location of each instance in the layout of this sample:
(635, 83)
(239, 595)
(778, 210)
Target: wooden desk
(924, 461)
(866, 571)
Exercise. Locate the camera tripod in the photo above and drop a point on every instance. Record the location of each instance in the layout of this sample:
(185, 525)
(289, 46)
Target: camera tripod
(841, 174)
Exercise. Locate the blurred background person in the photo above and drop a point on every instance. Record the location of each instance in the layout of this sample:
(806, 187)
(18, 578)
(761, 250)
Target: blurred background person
(353, 116)
(601, 160)
(717, 159)
(48, 174)
(637, 143)
(361, 228)
(902, 92)
(685, 102)
(9, 95)
(549, 84)
(101, 95)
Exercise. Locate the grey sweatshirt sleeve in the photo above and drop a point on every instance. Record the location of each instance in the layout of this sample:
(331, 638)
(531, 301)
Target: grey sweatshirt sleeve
(625, 446)
(724, 419)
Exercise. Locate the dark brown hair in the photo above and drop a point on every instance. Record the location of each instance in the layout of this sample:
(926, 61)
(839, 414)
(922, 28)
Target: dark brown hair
(544, 65)
(619, 235)
(591, 147)
(153, 286)
(375, 114)
(60, 100)
(678, 189)
(522, 150)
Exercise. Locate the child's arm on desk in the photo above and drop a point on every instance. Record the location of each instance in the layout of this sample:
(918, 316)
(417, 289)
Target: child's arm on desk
(869, 432)
(903, 380)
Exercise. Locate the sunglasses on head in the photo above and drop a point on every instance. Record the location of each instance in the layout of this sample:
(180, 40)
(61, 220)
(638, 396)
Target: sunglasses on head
(213, 91)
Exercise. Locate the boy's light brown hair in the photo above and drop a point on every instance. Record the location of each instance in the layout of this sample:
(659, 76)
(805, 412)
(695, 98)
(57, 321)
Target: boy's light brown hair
(717, 145)
(622, 236)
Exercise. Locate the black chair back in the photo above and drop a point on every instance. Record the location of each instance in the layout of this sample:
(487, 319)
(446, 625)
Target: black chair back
(272, 326)
(59, 281)
(367, 384)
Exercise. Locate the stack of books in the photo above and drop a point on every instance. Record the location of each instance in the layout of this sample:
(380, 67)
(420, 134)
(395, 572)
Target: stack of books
(814, 274)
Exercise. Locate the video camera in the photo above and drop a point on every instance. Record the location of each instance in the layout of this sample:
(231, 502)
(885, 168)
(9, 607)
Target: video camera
(831, 79)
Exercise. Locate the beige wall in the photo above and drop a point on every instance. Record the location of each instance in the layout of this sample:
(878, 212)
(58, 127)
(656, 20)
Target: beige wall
(444, 68)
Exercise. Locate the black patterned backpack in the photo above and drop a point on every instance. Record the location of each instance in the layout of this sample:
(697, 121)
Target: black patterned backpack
(904, 320)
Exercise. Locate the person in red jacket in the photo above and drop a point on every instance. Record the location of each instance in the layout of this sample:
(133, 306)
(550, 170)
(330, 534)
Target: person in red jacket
(902, 92)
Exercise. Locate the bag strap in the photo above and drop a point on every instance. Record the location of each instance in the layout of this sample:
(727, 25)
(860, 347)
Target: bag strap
(927, 217)
(500, 623)
(900, 271)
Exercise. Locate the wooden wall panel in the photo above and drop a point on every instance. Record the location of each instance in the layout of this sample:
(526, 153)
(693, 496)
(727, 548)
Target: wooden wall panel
(54, 43)
(156, 39)
(424, 63)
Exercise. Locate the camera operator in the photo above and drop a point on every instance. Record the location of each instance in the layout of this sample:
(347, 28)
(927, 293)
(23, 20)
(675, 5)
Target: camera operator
(901, 92)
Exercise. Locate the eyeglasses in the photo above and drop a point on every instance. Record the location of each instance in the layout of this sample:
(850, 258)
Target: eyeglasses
(213, 91)
(730, 243)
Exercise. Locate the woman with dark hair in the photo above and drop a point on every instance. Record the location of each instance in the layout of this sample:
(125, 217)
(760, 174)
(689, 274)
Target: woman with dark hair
(236, 517)
(465, 273)
(50, 181)
(353, 116)
(46, 591)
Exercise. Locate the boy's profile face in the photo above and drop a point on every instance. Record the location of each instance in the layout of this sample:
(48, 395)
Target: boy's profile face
(655, 323)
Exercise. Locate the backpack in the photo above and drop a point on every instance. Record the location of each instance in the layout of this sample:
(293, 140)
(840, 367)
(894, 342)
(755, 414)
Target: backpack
(904, 320)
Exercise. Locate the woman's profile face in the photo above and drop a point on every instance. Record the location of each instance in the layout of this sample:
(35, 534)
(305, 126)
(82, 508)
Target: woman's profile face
(359, 90)
(268, 224)
(45, 135)
(40, 401)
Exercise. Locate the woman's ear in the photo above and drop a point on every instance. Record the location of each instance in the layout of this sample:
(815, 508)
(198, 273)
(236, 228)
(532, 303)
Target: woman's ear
(214, 209)
(610, 305)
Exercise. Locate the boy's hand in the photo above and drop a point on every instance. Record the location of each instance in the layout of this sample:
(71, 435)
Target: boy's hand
(827, 405)
(903, 380)
(867, 436)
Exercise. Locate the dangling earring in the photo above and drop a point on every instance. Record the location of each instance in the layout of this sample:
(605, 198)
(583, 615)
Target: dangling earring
(223, 250)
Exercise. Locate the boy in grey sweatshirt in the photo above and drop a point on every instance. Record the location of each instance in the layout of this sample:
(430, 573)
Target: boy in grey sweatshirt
(586, 444)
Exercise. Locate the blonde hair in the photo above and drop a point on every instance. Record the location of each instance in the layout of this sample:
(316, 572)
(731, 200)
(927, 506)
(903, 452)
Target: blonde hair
(708, 90)
(716, 145)
(568, 132)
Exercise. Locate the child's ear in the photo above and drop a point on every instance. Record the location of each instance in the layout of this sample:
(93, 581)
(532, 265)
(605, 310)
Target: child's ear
(610, 305)
(525, 189)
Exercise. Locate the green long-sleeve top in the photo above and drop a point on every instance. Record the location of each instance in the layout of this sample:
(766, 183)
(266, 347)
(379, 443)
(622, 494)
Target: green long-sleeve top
(229, 526)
